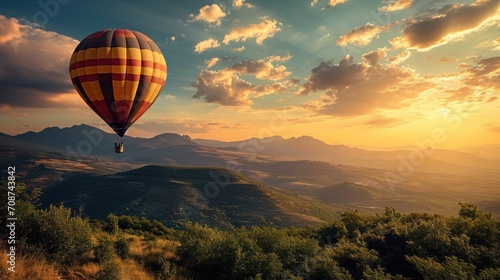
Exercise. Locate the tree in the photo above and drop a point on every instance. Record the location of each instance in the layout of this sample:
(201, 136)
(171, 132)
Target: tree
(112, 224)
(55, 233)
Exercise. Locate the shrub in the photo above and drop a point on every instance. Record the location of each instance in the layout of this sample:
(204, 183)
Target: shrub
(104, 250)
(111, 224)
(110, 271)
(122, 247)
(54, 233)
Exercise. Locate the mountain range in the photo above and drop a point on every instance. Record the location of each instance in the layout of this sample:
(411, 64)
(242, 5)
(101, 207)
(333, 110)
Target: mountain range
(313, 172)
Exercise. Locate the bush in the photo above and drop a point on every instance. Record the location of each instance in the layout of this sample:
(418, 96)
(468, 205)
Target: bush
(104, 250)
(54, 233)
(122, 247)
(110, 271)
(111, 224)
(162, 268)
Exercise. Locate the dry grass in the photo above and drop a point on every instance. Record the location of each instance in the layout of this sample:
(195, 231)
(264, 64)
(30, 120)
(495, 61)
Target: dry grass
(27, 268)
(141, 251)
(134, 271)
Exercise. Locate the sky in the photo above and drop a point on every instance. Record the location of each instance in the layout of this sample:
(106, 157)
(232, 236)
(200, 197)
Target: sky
(379, 73)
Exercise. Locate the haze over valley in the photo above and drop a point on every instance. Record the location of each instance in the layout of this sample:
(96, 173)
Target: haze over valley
(157, 177)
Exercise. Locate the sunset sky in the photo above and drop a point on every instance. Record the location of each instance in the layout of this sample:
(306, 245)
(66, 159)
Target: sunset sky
(355, 72)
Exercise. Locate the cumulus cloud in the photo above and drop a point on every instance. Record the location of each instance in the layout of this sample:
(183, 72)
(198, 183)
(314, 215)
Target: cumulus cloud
(260, 31)
(400, 57)
(261, 69)
(314, 2)
(362, 35)
(9, 29)
(211, 62)
(333, 3)
(351, 88)
(274, 58)
(237, 4)
(396, 5)
(240, 49)
(204, 45)
(449, 23)
(484, 73)
(226, 87)
(211, 14)
(374, 57)
(34, 66)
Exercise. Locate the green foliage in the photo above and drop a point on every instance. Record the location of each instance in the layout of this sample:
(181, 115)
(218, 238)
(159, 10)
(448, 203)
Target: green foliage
(451, 268)
(110, 271)
(104, 250)
(134, 224)
(354, 256)
(470, 211)
(390, 245)
(489, 274)
(259, 252)
(122, 248)
(162, 268)
(55, 233)
(324, 267)
(387, 246)
(111, 224)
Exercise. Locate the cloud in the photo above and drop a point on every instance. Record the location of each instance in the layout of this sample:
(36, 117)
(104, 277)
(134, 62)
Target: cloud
(188, 125)
(400, 57)
(260, 31)
(314, 2)
(240, 49)
(493, 44)
(211, 14)
(237, 4)
(449, 23)
(34, 67)
(333, 3)
(274, 58)
(362, 35)
(226, 87)
(204, 45)
(211, 62)
(9, 29)
(263, 70)
(485, 73)
(351, 88)
(459, 94)
(396, 5)
(374, 57)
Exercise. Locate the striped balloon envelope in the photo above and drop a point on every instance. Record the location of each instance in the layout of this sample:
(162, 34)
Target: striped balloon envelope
(119, 73)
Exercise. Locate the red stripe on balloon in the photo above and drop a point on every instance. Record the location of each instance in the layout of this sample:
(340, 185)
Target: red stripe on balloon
(118, 62)
(123, 108)
(101, 108)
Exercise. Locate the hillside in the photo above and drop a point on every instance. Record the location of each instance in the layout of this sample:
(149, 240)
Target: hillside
(437, 191)
(344, 192)
(172, 195)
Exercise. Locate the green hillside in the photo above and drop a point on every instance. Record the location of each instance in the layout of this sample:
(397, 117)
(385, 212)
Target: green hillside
(172, 195)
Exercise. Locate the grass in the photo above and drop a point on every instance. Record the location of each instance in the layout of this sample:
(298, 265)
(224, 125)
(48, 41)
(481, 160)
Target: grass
(142, 253)
(27, 267)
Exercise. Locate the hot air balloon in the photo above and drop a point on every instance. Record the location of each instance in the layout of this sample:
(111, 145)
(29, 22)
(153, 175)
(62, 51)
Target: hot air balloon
(119, 74)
